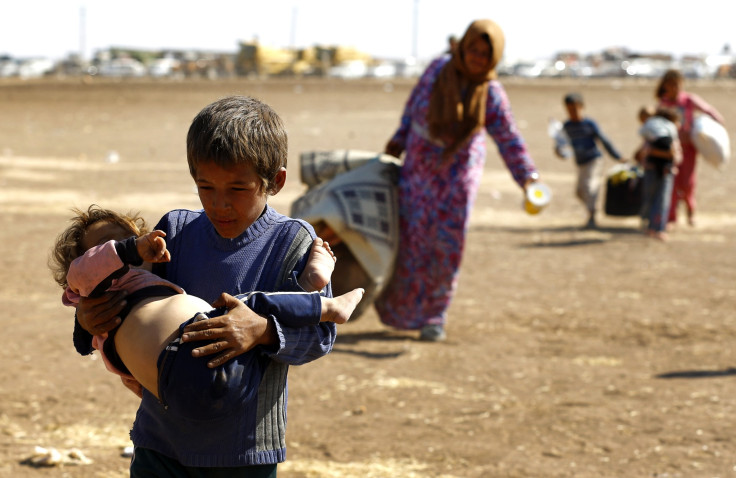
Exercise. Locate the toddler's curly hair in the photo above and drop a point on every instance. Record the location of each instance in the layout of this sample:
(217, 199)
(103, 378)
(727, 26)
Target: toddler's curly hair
(68, 245)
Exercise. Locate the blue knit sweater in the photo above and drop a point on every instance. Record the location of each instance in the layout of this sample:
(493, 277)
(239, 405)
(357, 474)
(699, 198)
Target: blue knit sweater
(583, 135)
(269, 254)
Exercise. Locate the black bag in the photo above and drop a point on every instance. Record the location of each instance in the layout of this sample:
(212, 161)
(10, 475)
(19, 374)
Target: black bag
(624, 192)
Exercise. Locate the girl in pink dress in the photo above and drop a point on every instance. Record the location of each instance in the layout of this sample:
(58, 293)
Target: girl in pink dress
(671, 95)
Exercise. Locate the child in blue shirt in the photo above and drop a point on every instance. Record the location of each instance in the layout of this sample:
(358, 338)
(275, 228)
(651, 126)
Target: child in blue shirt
(237, 151)
(584, 135)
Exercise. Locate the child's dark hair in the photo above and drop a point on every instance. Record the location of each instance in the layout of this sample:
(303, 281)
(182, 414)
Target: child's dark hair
(239, 130)
(669, 76)
(68, 244)
(574, 99)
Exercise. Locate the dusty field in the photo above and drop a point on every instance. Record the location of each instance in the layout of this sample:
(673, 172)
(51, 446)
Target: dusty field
(570, 353)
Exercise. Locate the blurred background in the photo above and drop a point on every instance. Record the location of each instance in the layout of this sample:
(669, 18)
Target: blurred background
(565, 38)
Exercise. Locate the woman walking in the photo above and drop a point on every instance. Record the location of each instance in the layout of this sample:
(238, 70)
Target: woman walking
(441, 132)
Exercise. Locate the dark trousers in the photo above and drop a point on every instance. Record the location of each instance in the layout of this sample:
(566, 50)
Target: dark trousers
(150, 464)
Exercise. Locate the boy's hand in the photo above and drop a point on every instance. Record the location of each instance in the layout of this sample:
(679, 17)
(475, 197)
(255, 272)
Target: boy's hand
(232, 334)
(152, 247)
(100, 315)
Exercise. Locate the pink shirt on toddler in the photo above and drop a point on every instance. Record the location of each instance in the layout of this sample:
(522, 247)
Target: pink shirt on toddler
(97, 265)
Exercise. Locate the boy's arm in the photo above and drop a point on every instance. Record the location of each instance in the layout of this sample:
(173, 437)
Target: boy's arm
(231, 334)
(300, 345)
(606, 142)
(610, 148)
(100, 314)
(241, 329)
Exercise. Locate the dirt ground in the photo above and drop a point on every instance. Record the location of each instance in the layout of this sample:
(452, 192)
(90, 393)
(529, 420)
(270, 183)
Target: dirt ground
(570, 353)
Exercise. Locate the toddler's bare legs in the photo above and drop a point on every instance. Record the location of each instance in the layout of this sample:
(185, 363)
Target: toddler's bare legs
(320, 264)
(338, 309)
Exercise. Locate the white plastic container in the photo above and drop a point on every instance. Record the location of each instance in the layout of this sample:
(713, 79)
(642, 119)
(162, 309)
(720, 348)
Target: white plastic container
(537, 196)
(562, 142)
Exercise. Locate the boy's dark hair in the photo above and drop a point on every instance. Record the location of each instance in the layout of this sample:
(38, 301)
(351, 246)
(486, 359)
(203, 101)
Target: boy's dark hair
(68, 245)
(574, 99)
(239, 130)
(668, 114)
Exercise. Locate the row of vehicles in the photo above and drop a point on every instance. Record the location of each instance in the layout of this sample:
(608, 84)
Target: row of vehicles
(254, 60)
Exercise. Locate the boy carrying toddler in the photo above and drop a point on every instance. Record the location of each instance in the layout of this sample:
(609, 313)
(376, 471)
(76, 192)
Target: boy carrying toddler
(237, 152)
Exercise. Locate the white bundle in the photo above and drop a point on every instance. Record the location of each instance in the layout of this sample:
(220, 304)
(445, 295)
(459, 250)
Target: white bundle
(711, 140)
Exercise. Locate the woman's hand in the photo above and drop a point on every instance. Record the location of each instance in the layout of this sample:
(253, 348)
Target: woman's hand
(100, 315)
(232, 334)
(530, 180)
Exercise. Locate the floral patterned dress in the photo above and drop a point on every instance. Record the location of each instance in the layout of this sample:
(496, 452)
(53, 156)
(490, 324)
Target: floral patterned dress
(435, 200)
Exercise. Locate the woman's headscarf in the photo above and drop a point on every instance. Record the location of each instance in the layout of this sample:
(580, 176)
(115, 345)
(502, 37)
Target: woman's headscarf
(453, 118)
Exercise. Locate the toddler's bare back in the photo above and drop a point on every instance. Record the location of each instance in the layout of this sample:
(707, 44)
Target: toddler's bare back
(148, 328)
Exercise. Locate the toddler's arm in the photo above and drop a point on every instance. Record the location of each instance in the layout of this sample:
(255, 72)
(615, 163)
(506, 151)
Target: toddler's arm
(92, 273)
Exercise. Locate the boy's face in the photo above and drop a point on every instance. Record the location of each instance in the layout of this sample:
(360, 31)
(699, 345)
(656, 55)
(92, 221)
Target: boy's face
(574, 111)
(233, 198)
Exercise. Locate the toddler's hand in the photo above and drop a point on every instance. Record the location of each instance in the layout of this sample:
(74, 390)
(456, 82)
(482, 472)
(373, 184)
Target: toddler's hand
(152, 247)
